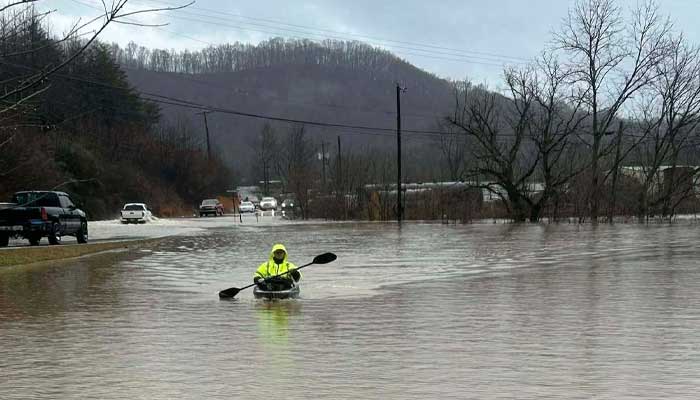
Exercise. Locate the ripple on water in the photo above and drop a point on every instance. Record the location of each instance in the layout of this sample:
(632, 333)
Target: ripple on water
(474, 311)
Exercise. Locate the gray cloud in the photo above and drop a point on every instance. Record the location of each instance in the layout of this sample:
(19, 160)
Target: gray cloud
(464, 38)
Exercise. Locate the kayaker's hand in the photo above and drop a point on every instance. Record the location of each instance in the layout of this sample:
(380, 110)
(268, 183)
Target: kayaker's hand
(260, 282)
(296, 275)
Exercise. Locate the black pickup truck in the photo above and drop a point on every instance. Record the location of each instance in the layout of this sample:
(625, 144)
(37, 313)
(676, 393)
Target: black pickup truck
(36, 214)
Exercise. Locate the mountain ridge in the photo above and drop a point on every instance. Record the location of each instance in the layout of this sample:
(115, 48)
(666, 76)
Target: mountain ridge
(320, 93)
(347, 83)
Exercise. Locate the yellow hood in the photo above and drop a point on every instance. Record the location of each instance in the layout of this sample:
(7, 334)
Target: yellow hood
(276, 247)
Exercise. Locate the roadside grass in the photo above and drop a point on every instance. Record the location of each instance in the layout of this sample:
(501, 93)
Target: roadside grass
(30, 255)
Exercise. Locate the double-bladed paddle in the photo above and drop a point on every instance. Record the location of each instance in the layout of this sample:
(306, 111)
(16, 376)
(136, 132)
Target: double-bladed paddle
(324, 258)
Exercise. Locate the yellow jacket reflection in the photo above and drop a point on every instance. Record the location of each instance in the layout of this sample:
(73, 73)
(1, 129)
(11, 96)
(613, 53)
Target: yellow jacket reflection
(273, 322)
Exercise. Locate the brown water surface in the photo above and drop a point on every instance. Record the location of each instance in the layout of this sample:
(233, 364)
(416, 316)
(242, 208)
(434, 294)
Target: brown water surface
(422, 311)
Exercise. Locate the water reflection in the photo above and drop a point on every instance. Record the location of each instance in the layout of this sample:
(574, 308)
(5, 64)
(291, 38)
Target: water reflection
(424, 311)
(273, 322)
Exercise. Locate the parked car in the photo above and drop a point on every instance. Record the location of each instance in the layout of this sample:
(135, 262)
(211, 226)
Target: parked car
(137, 213)
(246, 207)
(37, 214)
(268, 203)
(211, 207)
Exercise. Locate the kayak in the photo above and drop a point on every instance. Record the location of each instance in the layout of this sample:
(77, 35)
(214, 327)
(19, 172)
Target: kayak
(290, 293)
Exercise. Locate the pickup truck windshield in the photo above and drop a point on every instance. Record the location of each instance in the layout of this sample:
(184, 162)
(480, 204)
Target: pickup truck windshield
(133, 207)
(209, 202)
(36, 199)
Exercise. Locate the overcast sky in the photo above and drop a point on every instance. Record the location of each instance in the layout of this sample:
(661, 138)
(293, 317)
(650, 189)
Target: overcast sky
(450, 38)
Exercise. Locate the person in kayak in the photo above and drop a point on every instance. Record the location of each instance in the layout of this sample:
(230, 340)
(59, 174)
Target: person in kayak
(277, 264)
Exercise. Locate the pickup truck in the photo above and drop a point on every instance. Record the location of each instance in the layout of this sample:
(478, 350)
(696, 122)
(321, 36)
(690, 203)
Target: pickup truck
(37, 214)
(136, 213)
(211, 206)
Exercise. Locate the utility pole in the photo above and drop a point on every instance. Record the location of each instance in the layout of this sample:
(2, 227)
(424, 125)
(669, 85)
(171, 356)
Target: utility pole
(323, 164)
(340, 168)
(339, 187)
(399, 204)
(206, 128)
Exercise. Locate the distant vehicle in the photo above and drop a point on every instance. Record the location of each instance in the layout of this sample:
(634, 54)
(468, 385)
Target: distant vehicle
(37, 214)
(253, 199)
(246, 207)
(211, 207)
(268, 203)
(137, 213)
(289, 204)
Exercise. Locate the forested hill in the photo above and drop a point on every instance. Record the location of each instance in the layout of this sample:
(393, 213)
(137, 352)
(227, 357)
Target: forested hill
(72, 122)
(336, 82)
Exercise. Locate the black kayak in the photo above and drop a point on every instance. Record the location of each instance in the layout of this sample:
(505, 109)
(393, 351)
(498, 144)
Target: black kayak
(290, 293)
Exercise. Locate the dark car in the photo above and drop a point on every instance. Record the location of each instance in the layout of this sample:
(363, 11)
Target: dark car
(37, 214)
(211, 207)
(289, 204)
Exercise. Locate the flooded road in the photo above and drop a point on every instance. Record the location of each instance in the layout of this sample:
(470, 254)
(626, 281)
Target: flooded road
(423, 311)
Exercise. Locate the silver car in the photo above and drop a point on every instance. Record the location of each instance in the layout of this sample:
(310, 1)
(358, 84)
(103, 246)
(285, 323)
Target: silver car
(268, 203)
(246, 207)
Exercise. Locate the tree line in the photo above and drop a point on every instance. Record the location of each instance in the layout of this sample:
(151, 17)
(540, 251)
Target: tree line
(603, 124)
(606, 119)
(71, 121)
(238, 56)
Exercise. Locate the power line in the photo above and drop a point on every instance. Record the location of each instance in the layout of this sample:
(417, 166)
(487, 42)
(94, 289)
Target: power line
(303, 104)
(280, 101)
(403, 50)
(433, 54)
(360, 129)
(218, 12)
(278, 22)
(169, 100)
(158, 98)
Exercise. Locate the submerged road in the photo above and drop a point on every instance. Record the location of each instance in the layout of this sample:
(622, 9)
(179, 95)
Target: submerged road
(418, 311)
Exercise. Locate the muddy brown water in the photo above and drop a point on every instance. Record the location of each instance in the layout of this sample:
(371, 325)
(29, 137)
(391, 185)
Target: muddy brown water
(423, 311)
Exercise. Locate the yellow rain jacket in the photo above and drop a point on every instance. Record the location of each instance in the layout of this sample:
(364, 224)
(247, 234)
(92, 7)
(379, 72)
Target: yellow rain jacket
(271, 268)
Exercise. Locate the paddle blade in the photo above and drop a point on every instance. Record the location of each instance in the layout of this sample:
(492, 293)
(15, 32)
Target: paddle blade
(324, 258)
(228, 293)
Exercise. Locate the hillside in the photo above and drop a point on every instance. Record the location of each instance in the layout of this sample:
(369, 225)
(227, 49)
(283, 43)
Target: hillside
(300, 88)
(83, 130)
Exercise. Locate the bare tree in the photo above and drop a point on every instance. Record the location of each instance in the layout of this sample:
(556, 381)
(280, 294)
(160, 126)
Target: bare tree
(350, 177)
(555, 120)
(34, 81)
(499, 127)
(453, 151)
(670, 119)
(615, 172)
(265, 150)
(610, 59)
(377, 180)
(294, 166)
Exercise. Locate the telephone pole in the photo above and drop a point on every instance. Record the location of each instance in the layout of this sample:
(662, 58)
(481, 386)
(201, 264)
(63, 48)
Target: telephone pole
(339, 186)
(339, 177)
(206, 128)
(399, 204)
(323, 164)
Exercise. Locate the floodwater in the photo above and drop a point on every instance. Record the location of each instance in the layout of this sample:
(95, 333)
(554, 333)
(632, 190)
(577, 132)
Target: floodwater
(423, 311)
